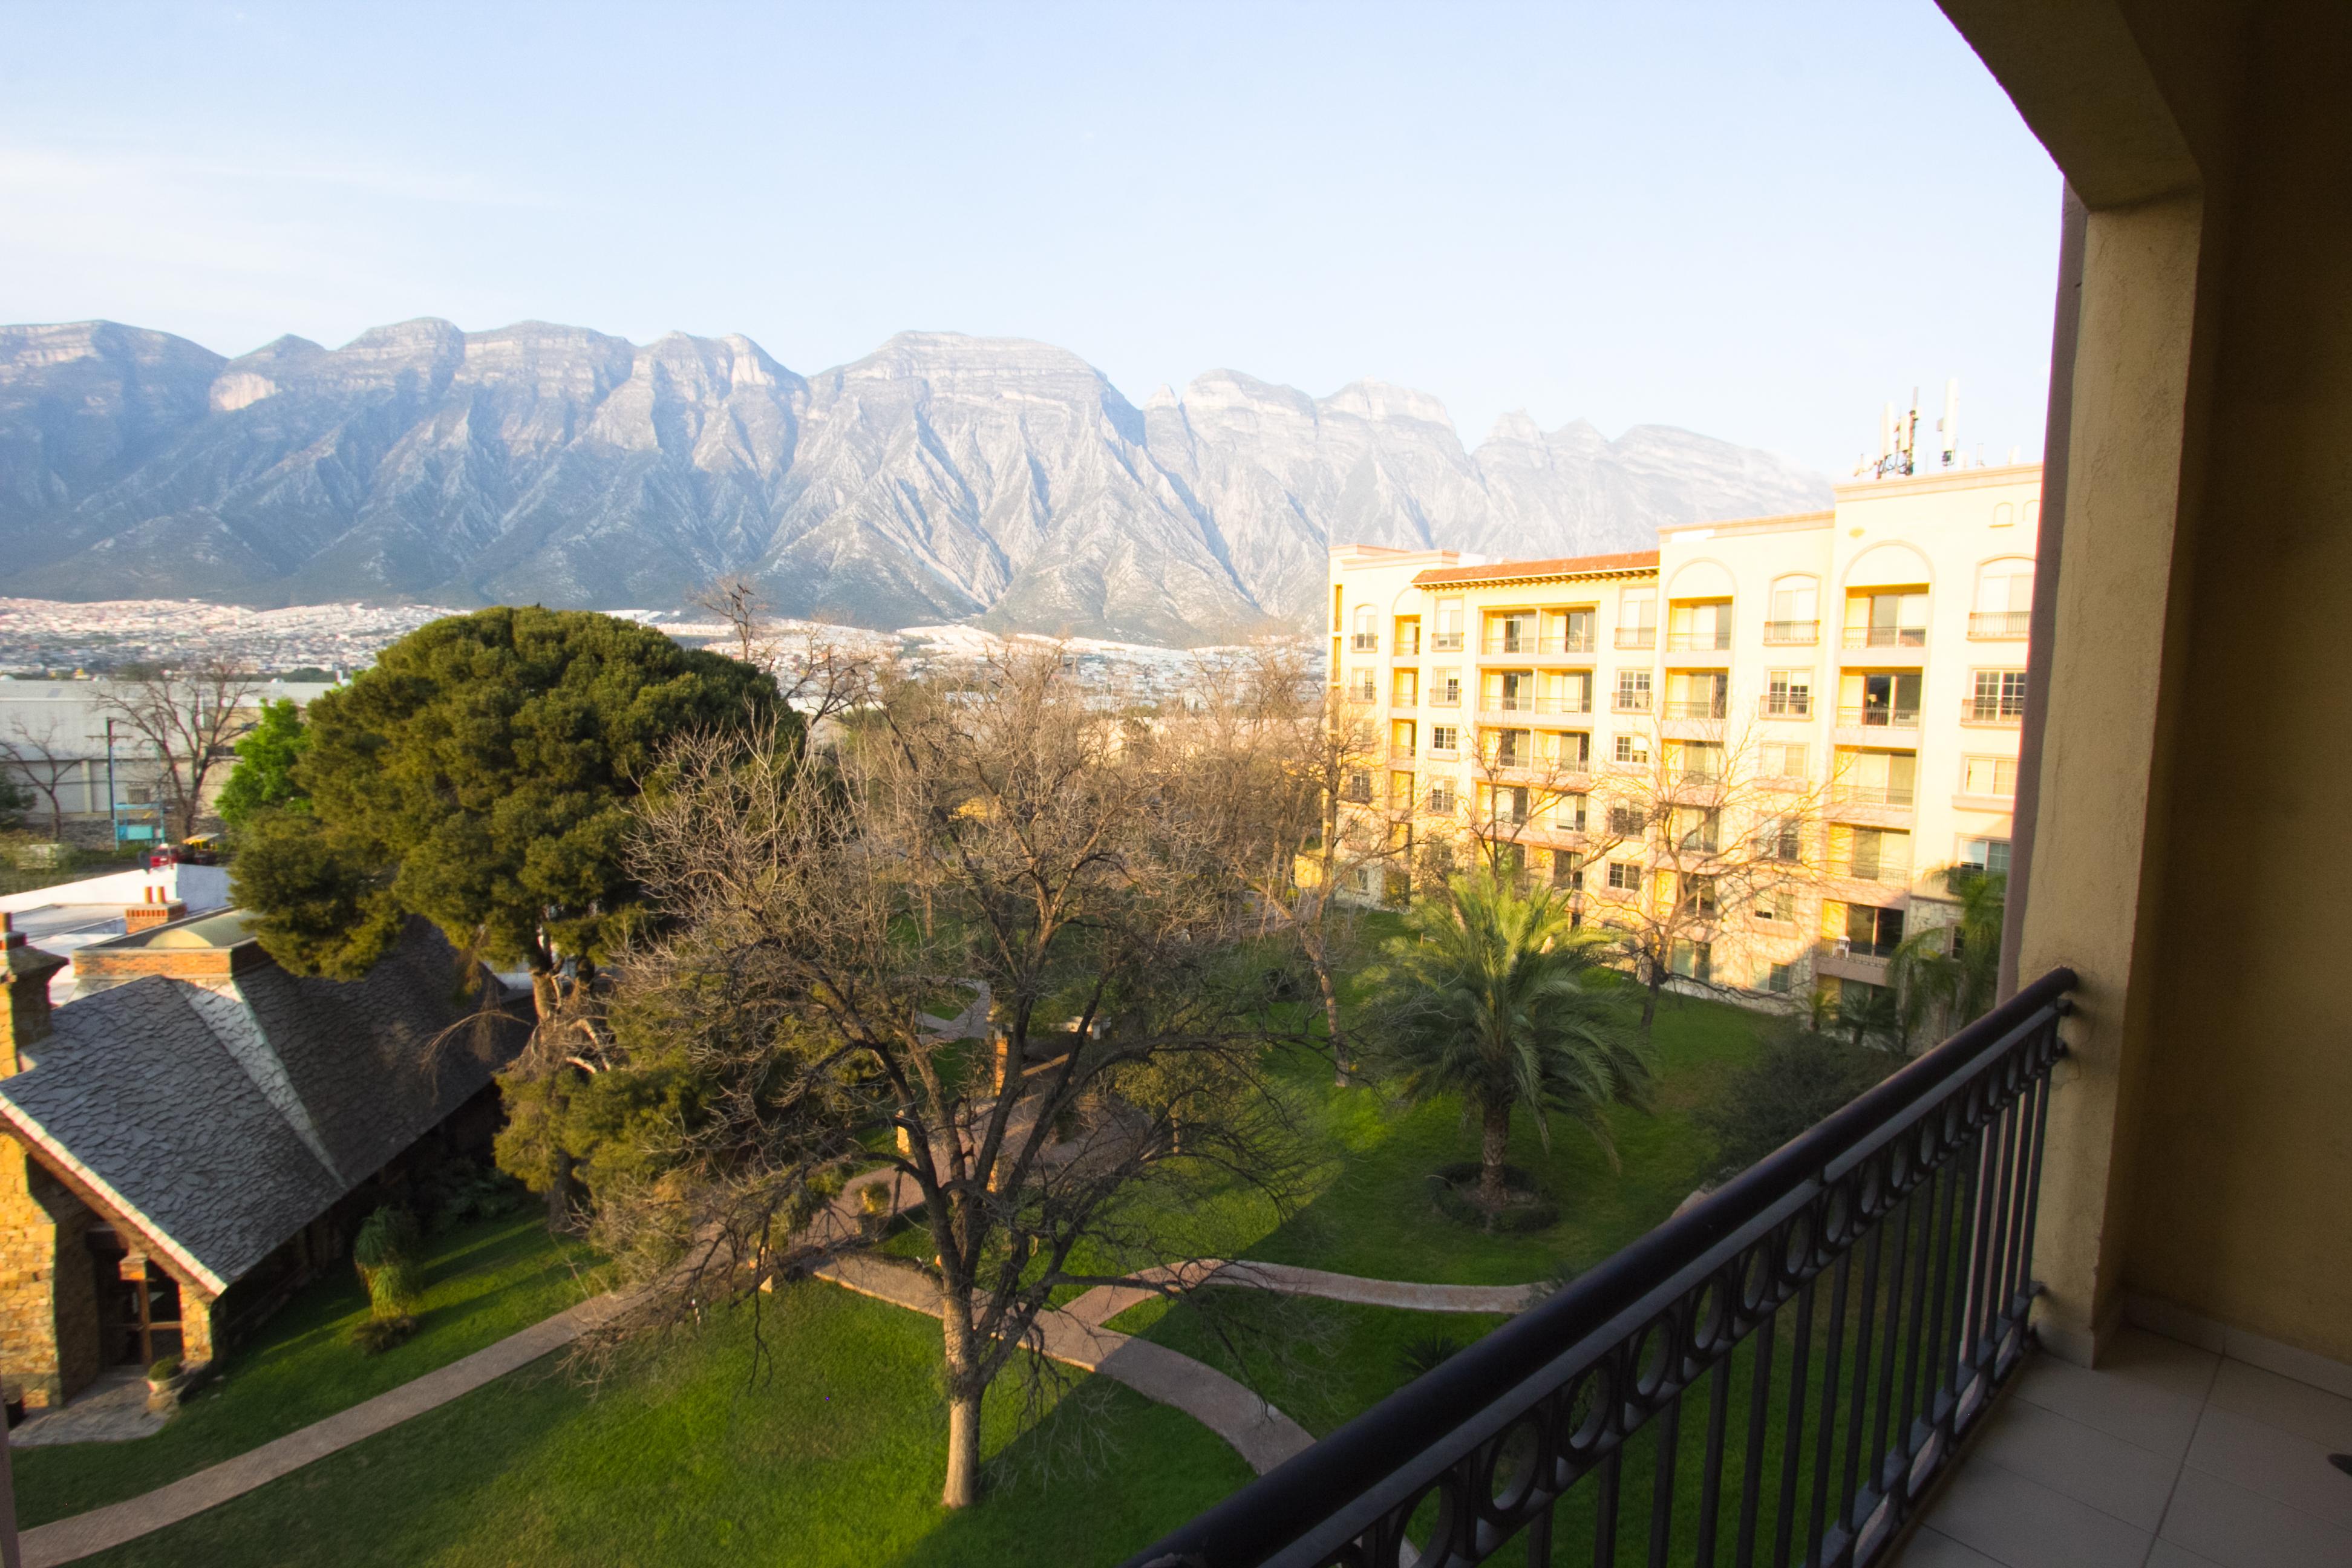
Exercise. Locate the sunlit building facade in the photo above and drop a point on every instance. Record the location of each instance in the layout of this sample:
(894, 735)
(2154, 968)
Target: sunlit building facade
(1860, 668)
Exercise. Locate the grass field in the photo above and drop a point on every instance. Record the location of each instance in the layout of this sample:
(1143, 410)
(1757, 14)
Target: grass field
(482, 1282)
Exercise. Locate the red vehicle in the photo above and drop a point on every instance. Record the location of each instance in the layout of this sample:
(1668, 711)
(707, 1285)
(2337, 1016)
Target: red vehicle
(201, 850)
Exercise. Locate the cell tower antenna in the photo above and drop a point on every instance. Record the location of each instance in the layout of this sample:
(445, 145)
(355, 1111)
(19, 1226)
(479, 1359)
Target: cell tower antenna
(1949, 426)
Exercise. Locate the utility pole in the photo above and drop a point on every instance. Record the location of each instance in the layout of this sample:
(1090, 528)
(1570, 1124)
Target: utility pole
(113, 818)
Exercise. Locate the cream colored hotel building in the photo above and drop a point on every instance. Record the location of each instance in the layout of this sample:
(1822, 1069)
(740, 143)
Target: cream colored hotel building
(1871, 656)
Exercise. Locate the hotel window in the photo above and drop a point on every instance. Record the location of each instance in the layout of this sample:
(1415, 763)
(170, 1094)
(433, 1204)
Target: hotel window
(1698, 831)
(1776, 979)
(1448, 635)
(1633, 690)
(1359, 787)
(1366, 638)
(1568, 869)
(1694, 960)
(1508, 804)
(1790, 694)
(1514, 631)
(1999, 696)
(1989, 856)
(1444, 737)
(1781, 839)
(1510, 748)
(1698, 894)
(1632, 748)
(1625, 876)
(2004, 603)
(1893, 619)
(1446, 688)
(1988, 775)
(1401, 738)
(1637, 620)
(1568, 813)
(1576, 633)
(1777, 904)
(1796, 612)
(1627, 821)
(1440, 796)
(1405, 688)
(1779, 759)
(1361, 686)
(1569, 749)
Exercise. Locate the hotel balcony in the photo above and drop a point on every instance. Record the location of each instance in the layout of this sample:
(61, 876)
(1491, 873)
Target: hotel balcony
(1878, 805)
(1555, 645)
(1364, 642)
(1992, 713)
(1790, 707)
(1998, 626)
(1686, 648)
(1791, 634)
(1868, 726)
(1636, 637)
(1622, 701)
(1860, 961)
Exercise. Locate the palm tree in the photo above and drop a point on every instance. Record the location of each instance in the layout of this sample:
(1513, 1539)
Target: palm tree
(1954, 969)
(1486, 998)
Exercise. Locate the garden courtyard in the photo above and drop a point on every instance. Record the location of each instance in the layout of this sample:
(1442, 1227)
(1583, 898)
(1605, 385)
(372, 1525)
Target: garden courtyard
(808, 1431)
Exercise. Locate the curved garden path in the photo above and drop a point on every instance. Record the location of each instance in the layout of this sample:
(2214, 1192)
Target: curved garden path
(1074, 1334)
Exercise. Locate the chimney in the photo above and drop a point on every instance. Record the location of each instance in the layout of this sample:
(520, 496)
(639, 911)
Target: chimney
(158, 909)
(24, 972)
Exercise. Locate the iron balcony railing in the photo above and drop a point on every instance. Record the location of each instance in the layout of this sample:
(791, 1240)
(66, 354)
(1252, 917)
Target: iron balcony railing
(1884, 869)
(1992, 710)
(1699, 642)
(1637, 637)
(1364, 642)
(1802, 1350)
(1445, 642)
(1630, 701)
(1846, 947)
(1785, 705)
(1792, 634)
(1876, 718)
(1872, 794)
(1886, 637)
(1999, 624)
(1704, 708)
(1531, 643)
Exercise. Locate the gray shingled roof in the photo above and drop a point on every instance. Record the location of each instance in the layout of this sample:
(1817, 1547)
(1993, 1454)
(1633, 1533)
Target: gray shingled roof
(225, 1120)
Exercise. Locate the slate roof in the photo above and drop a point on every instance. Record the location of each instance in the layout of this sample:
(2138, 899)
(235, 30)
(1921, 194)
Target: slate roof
(221, 1120)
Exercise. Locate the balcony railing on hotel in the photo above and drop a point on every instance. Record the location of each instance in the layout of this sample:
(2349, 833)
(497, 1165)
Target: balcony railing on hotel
(1886, 637)
(1995, 626)
(1505, 703)
(1705, 707)
(1872, 794)
(1637, 637)
(1868, 718)
(1884, 869)
(1792, 634)
(1630, 701)
(1445, 642)
(1699, 642)
(1785, 705)
(1804, 1349)
(1364, 642)
(1531, 643)
(1845, 947)
(1992, 711)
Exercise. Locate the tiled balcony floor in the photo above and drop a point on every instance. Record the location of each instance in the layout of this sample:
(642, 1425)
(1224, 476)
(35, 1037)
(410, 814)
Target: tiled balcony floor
(2167, 1457)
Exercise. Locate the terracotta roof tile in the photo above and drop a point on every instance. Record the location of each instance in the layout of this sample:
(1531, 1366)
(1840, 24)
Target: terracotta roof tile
(1559, 566)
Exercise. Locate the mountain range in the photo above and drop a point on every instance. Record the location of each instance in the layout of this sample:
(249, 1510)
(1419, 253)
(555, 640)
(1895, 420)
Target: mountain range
(941, 477)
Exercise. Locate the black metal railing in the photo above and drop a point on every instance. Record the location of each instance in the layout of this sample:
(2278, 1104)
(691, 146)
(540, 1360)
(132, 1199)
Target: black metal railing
(1801, 1350)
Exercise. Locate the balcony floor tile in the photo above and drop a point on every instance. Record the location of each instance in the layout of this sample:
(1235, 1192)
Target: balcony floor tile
(2085, 1464)
(2022, 1523)
(2239, 1529)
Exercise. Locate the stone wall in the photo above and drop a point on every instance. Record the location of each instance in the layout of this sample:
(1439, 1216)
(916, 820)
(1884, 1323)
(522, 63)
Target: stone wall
(49, 1290)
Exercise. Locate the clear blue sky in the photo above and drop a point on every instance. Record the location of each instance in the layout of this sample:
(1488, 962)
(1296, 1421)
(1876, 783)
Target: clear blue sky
(1756, 220)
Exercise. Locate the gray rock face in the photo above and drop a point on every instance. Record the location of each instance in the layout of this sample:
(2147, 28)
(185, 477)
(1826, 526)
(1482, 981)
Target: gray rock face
(941, 477)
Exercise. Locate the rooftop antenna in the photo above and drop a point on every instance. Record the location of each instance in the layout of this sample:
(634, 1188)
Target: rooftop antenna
(1898, 440)
(1949, 426)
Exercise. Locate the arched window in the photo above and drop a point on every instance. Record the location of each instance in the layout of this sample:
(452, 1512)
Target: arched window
(2004, 601)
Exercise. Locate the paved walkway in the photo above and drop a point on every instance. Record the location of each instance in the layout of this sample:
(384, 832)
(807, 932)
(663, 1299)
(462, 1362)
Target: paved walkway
(112, 1410)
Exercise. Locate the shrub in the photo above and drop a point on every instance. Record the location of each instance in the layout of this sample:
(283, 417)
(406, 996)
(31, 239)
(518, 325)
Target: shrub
(1422, 1354)
(163, 1369)
(1796, 1079)
(384, 1253)
(373, 1336)
(1455, 1191)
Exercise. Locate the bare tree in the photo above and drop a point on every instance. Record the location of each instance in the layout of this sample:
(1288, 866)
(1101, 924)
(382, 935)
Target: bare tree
(189, 718)
(736, 599)
(38, 758)
(824, 671)
(1297, 767)
(1001, 835)
(1702, 823)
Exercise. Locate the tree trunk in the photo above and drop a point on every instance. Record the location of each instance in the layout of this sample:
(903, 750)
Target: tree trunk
(1657, 980)
(546, 996)
(963, 1486)
(1340, 1073)
(1494, 1144)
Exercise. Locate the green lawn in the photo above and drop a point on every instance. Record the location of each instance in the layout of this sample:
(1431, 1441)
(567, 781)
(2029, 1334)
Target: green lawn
(831, 1458)
(483, 1282)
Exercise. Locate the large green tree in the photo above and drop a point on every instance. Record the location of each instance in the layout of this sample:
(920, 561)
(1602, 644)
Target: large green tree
(1949, 974)
(264, 776)
(1486, 997)
(482, 776)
